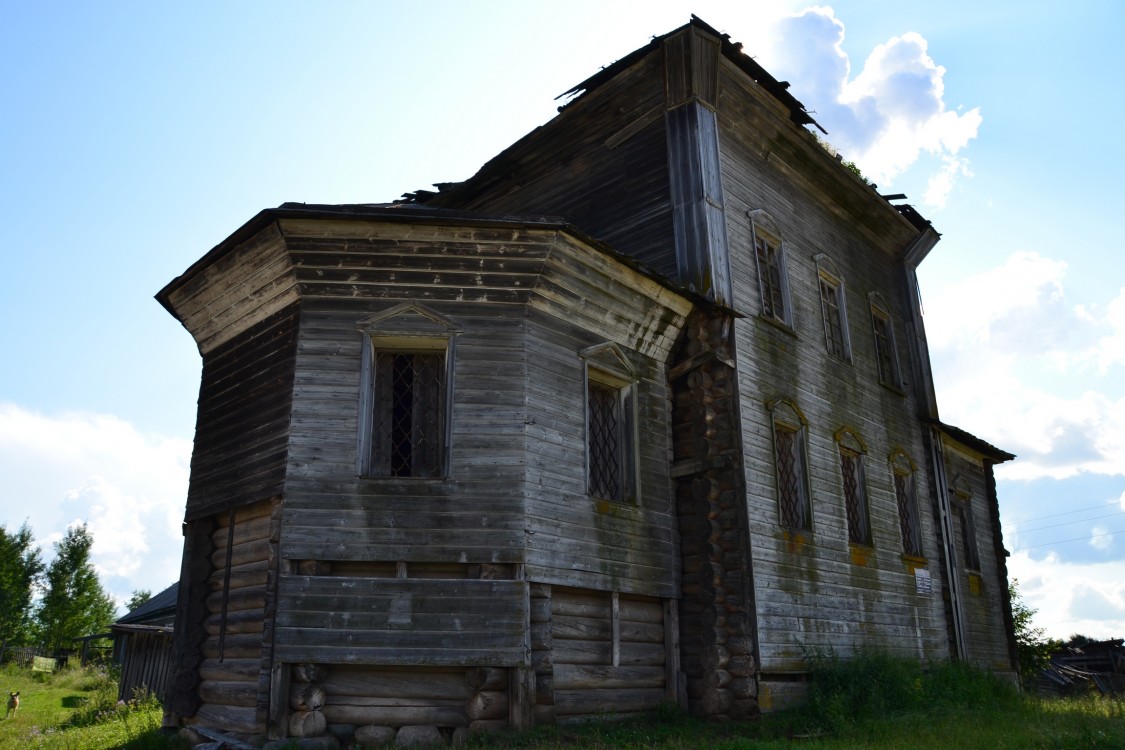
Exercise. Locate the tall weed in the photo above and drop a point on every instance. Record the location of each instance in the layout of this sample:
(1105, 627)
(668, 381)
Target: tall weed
(874, 685)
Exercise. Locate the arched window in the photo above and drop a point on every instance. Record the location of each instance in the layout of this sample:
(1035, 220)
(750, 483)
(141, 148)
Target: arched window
(791, 459)
(852, 450)
(904, 469)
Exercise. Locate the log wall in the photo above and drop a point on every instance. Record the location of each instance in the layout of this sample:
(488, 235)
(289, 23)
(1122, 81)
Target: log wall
(717, 625)
(237, 632)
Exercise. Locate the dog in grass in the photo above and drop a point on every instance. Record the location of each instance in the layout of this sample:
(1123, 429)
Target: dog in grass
(13, 703)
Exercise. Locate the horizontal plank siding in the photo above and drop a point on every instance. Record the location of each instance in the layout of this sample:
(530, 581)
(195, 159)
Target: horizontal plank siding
(813, 590)
(340, 620)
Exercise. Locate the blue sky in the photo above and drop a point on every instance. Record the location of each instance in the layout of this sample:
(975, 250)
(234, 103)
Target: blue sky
(136, 136)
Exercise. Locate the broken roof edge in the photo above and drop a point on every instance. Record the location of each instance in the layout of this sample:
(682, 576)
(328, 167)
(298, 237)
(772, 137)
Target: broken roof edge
(730, 50)
(412, 212)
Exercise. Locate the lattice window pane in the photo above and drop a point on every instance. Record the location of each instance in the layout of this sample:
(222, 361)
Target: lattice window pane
(855, 497)
(833, 319)
(792, 496)
(908, 514)
(605, 441)
(407, 425)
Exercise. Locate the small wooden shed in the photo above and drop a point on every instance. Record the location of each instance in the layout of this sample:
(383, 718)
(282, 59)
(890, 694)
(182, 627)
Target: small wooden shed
(142, 646)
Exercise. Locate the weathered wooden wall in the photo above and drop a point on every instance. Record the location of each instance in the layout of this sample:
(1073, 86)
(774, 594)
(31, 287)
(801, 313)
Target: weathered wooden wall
(598, 654)
(983, 591)
(147, 661)
(245, 398)
(813, 590)
(574, 539)
(613, 178)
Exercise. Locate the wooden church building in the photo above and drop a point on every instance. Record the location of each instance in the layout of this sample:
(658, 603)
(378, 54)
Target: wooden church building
(640, 413)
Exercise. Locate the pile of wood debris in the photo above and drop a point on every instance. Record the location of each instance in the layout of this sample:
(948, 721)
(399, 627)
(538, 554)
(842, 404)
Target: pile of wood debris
(1077, 670)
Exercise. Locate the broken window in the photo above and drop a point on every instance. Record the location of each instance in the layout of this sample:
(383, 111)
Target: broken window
(886, 353)
(963, 512)
(833, 312)
(773, 282)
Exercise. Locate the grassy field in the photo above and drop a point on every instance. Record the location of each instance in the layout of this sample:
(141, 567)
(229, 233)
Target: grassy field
(871, 704)
(77, 709)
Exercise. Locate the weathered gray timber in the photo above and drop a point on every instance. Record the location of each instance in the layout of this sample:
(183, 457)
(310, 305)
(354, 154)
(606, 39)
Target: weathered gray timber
(642, 432)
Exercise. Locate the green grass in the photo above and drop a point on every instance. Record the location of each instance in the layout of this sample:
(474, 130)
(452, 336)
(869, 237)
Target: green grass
(874, 702)
(77, 709)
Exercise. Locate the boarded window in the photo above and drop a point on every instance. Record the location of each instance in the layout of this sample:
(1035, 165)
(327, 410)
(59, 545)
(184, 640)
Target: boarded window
(855, 497)
(963, 510)
(792, 488)
(408, 414)
(907, 508)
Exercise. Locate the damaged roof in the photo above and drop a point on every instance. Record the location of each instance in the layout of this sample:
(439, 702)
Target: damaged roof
(731, 50)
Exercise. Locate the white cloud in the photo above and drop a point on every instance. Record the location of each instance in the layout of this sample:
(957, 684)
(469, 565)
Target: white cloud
(941, 182)
(1101, 538)
(1007, 347)
(886, 117)
(95, 468)
(1072, 598)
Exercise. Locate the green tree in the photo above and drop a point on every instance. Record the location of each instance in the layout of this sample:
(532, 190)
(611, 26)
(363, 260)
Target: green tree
(21, 572)
(139, 597)
(1033, 648)
(74, 604)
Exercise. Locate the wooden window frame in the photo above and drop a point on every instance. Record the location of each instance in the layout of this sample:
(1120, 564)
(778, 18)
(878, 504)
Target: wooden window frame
(963, 511)
(886, 348)
(769, 253)
(606, 369)
(794, 498)
(903, 474)
(857, 508)
(833, 308)
(370, 460)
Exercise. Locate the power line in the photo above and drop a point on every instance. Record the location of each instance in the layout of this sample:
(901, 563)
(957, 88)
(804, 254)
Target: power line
(1075, 539)
(1068, 523)
(1064, 513)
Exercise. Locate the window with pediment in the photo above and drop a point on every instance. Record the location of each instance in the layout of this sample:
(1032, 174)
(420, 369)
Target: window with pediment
(405, 393)
(852, 450)
(611, 424)
(903, 470)
(790, 435)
